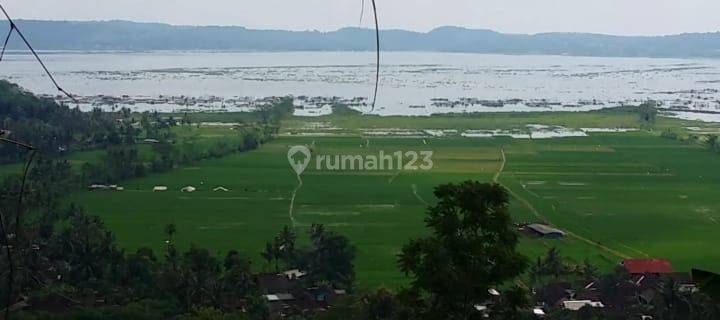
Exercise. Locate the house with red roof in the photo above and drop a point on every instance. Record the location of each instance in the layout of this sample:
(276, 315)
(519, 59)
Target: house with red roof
(647, 266)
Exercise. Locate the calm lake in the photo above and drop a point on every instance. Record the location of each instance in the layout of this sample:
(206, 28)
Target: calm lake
(417, 83)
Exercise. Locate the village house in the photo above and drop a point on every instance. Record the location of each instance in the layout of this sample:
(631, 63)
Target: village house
(286, 295)
(102, 187)
(544, 231)
(647, 266)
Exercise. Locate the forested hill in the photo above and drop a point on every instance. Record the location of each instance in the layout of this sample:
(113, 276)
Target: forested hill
(123, 35)
(46, 125)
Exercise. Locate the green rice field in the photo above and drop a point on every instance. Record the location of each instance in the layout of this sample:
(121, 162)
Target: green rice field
(617, 195)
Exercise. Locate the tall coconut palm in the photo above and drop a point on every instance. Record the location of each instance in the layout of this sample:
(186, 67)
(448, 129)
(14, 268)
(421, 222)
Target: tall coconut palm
(553, 263)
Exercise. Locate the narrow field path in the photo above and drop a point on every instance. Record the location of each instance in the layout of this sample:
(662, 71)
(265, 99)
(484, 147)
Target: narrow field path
(538, 215)
(496, 178)
(414, 190)
(292, 201)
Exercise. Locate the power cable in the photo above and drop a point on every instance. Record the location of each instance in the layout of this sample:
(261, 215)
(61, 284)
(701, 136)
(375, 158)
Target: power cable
(18, 221)
(377, 51)
(13, 27)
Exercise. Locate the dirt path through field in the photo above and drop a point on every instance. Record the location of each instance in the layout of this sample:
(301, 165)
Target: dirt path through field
(292, 201)
(414, 190)
(537, 214)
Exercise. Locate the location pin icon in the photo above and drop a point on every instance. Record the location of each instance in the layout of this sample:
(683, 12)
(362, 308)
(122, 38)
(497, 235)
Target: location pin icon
(299, 158)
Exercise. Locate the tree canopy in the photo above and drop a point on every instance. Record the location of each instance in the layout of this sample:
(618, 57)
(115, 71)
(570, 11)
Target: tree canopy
(471, 250)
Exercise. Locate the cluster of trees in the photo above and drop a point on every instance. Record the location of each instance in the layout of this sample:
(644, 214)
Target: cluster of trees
(79, 259)
(60, 251)
(53, 129)
(50, 127)
(168, 151)
(49, 180)
(471, 250)
(328, 259)
(122, 162)
(648, 112)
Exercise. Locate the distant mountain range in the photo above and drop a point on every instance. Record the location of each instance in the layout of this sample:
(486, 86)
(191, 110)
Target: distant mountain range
(124, 35)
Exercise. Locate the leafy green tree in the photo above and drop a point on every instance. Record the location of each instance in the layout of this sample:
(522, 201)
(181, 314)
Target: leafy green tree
(379, 304)
(119, 163)
(237, 279)
(472, 249)
(271, 254)
(330, 259)
(589, 271)
(141, 268)
(536, 271)
(258, 308)
(171, 254)
(286, 245)
(201, 273)
(511, 304)
(50, 127)
(85, 246)
(553, 263)
(648, 113)
(712, 142)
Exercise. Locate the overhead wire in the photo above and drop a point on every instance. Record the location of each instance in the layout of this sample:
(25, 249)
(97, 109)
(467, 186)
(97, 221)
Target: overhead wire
(13, 27)
(377, 57)
(33, 151)
(3, 227)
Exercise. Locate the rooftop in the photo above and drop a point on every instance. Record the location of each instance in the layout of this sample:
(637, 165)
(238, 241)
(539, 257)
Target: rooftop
(545, 229)
(576, 305)
(642, 266)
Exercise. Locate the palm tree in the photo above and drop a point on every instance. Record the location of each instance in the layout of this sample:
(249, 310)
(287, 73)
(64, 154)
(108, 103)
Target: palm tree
(170, 231)
(270, 253)
(286, 244)
(553, 263)
(317, 231)
(536, 271)
(171, 254)
(588, 270)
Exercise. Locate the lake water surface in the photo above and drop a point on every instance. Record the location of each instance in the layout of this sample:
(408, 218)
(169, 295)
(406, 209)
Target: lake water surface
(416, 83)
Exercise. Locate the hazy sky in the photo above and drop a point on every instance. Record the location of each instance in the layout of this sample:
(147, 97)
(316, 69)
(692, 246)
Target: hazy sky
(636, 17)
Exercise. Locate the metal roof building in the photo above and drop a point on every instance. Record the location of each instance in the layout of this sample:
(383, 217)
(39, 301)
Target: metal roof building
(643, 266)
(545, 231)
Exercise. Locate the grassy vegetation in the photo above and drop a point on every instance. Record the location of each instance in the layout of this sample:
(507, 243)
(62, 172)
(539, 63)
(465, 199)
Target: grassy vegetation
(619, 194)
